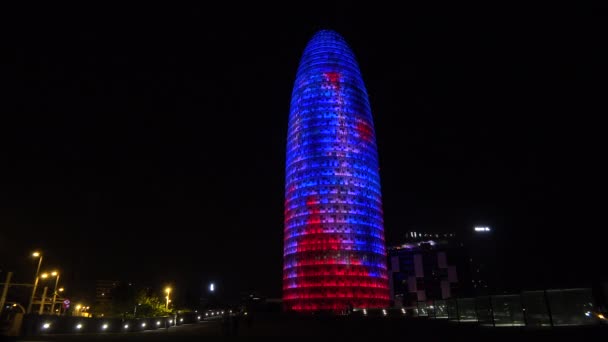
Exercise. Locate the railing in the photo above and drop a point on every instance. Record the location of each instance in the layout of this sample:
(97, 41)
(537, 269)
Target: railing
(530, 308)
(547, 308)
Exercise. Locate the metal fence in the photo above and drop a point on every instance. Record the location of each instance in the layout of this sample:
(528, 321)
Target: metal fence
(530, 308)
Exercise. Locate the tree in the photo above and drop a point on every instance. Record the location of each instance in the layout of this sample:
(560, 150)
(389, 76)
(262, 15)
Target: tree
(150, 305)
(127, 302)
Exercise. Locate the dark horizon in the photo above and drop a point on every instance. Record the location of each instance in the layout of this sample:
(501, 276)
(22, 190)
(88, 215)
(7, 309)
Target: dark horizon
(148, 145)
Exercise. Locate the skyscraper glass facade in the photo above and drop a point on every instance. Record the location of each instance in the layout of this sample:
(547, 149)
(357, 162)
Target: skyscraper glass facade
(334, 251)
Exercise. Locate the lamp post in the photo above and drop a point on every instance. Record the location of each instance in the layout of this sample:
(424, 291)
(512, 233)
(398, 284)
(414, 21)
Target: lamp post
(61, 289)
(56, 274)
(7, 283)
(168, 291)
(41, 310)
(35, 255)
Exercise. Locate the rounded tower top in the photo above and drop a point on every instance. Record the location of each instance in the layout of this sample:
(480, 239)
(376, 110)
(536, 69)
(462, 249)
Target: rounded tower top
(327, 35)
(328, 50)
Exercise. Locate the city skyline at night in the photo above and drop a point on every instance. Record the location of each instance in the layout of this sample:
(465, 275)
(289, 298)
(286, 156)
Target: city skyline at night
(148, 144)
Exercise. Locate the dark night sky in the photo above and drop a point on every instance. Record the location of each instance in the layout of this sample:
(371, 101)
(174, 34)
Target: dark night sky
(147, 143)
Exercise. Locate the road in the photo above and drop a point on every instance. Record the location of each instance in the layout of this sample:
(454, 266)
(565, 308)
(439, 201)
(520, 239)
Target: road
(340, 328)
(186, 332)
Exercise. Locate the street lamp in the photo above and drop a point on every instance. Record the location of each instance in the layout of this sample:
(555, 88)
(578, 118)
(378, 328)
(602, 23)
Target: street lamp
(168, 291)
(56, 274)
(35, 255)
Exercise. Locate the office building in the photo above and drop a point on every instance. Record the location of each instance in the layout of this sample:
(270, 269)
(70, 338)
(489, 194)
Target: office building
(334, 251)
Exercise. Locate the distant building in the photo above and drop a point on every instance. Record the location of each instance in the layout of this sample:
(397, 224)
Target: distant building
(253, 302)
(482, 252)
(432, 266)
(103, 292)
(428, 266)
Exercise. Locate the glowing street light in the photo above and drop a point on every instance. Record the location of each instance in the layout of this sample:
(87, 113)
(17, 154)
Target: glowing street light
(44, 275)
(39, 256)
(168, 291)
(61, 289)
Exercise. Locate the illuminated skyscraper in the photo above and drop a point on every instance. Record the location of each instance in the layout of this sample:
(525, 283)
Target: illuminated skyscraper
(334, 252)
